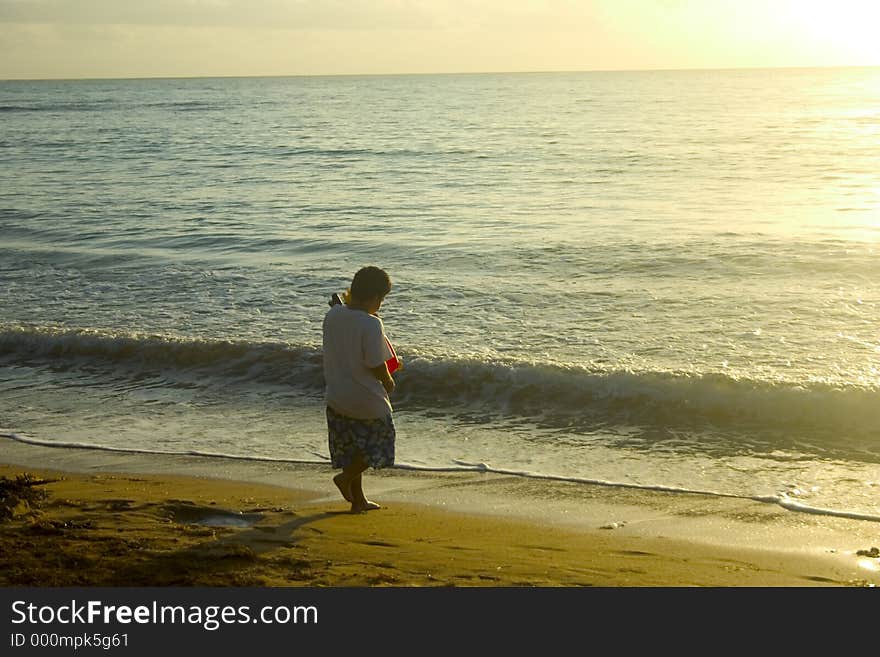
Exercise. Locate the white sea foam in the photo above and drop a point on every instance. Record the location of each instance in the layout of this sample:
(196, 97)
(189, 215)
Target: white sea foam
(781, 499)
(556, 395)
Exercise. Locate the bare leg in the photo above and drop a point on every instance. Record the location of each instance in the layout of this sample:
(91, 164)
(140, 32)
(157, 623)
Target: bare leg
(343, 483)
(359, 502)
(349, 484)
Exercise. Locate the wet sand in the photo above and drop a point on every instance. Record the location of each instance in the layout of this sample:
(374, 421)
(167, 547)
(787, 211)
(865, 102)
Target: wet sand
(119, 519)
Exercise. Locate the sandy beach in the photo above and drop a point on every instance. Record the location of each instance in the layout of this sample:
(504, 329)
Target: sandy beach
(116, 519)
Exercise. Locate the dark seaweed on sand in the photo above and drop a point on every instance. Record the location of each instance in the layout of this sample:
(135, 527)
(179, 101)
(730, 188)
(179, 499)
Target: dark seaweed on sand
(20, 494)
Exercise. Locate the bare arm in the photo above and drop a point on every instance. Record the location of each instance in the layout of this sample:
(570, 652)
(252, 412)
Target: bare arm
(384, 376)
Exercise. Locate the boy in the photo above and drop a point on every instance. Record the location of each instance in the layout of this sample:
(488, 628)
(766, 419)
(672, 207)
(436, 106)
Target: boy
(359, 424)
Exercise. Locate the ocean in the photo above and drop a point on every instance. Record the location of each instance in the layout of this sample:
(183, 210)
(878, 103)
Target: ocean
(665, 280)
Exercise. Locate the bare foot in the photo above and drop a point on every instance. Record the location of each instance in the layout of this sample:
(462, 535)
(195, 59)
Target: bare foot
(344, 486)
(366, 505)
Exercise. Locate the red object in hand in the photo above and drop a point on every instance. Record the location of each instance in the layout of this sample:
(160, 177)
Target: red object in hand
(393, 363)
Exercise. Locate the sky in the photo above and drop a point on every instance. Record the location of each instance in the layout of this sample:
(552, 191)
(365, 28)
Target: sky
(186, 38)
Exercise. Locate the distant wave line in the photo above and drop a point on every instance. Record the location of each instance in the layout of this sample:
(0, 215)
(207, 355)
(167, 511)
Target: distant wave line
(557, 394)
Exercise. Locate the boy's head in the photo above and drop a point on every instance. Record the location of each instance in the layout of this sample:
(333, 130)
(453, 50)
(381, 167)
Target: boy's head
(370, 283)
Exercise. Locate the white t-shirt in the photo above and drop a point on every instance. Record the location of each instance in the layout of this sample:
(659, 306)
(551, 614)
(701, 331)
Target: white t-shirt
(354, 342)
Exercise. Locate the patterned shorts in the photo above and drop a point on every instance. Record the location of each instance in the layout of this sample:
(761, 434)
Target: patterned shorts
(349, 437)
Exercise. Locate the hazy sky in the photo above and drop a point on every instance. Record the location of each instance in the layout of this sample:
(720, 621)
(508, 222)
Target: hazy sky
(136, 38)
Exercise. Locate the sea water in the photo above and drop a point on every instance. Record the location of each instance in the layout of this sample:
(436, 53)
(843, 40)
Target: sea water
(657, 279)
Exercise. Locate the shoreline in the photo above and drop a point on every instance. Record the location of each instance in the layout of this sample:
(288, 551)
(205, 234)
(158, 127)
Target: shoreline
(195, 520)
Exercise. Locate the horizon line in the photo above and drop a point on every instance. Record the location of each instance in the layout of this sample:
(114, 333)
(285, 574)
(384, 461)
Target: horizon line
(436, 73)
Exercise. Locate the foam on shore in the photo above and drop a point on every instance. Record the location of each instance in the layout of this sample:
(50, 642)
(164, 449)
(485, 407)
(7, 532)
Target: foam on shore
(722, 522)
(782, 499)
